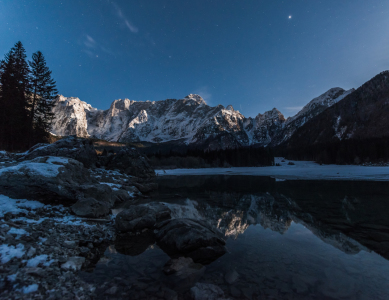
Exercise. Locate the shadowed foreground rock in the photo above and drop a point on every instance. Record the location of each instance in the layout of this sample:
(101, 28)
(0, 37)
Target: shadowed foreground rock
(57, 179)
(71, 147)
(45, 179)
(191, 238)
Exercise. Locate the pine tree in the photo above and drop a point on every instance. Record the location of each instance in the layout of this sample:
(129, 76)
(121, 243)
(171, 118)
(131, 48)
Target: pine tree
(15, 90)
(43, 92)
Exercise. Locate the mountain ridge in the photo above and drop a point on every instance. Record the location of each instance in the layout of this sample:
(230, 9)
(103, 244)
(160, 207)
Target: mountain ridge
(188, 119)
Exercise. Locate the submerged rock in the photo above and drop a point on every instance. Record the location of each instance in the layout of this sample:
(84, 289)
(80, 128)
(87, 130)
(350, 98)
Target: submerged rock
(231, 276)
(134, 244)
(191, 238)
(140, 217)
(183, 273)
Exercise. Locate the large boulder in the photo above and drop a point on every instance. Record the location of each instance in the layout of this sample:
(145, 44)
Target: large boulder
(129, 161)
(44, 178)
(57, 179)
(80, 149)
(142, 216)
(90, 207)
(190, 238)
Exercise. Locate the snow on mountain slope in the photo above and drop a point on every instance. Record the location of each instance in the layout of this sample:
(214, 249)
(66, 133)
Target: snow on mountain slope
(189, 120)
(309, 111)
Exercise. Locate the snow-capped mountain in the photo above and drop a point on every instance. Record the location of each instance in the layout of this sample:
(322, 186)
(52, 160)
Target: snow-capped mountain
(189, 120)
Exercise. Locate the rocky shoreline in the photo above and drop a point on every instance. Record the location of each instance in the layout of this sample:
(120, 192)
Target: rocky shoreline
(67, 225)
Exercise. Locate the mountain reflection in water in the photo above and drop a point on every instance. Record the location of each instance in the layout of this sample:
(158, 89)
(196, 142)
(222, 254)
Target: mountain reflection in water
(289, 239)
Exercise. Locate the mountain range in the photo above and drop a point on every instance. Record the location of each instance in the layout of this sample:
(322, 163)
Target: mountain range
(188, 121)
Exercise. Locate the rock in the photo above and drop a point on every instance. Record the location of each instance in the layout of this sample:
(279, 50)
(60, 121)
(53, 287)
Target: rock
(53, 179)
(44, 178)
(207, 291)
(169, 294)
(80, 149)
(191, 238)
(235, 292)
(35, 272)
(74, 263)
(139, 217)
(31, 252)
(112, 290)
(70, 244)
(175, 265)
(231, 276)
(129, 161)
(183, 273)
(146, 187)
(120, 196)
(91, 208)
(132, 190)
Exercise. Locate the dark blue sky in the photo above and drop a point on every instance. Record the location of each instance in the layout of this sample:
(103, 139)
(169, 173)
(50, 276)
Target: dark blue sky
(246, 53)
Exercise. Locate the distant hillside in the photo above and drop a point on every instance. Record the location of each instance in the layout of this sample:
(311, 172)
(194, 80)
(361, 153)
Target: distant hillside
(360, 115)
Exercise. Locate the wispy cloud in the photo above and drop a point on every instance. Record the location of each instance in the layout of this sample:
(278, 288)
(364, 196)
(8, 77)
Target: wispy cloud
(124, 19)
(92, 48)
(205, 93)
(89, 42)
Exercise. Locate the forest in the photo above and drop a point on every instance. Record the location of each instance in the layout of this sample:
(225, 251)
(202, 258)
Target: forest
(350, 151)
(199, 158)
(26, 93)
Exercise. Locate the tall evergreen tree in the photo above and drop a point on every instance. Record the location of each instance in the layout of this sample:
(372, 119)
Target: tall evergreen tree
(14, 94)
(43, 92)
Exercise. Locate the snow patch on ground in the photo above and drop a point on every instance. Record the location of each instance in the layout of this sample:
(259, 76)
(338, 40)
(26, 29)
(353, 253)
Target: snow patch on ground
(35, 261)
(9, 252)
(30, 289)
(18, 232)
(114, 186)
(16, 206)
(301, 170)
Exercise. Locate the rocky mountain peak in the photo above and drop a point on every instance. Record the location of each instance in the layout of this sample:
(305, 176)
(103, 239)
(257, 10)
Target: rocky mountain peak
(229, 107)
(198, 99)
(273, 114)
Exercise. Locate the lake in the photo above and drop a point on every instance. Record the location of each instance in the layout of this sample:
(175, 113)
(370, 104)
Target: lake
(284, 239)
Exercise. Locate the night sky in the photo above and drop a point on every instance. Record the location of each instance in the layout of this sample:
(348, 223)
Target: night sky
(252, 54)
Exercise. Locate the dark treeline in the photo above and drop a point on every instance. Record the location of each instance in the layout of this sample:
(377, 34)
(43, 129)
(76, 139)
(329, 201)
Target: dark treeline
(26, 94)
(352, 151)
(198, 158)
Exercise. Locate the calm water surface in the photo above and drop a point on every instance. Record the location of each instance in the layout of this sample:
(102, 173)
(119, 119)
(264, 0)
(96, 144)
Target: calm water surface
(285, 240)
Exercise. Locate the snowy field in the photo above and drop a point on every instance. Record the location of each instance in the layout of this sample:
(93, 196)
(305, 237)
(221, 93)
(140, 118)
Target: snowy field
(302, 170)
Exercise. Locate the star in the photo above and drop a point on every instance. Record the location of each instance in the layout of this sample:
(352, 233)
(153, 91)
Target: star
(290, 17)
